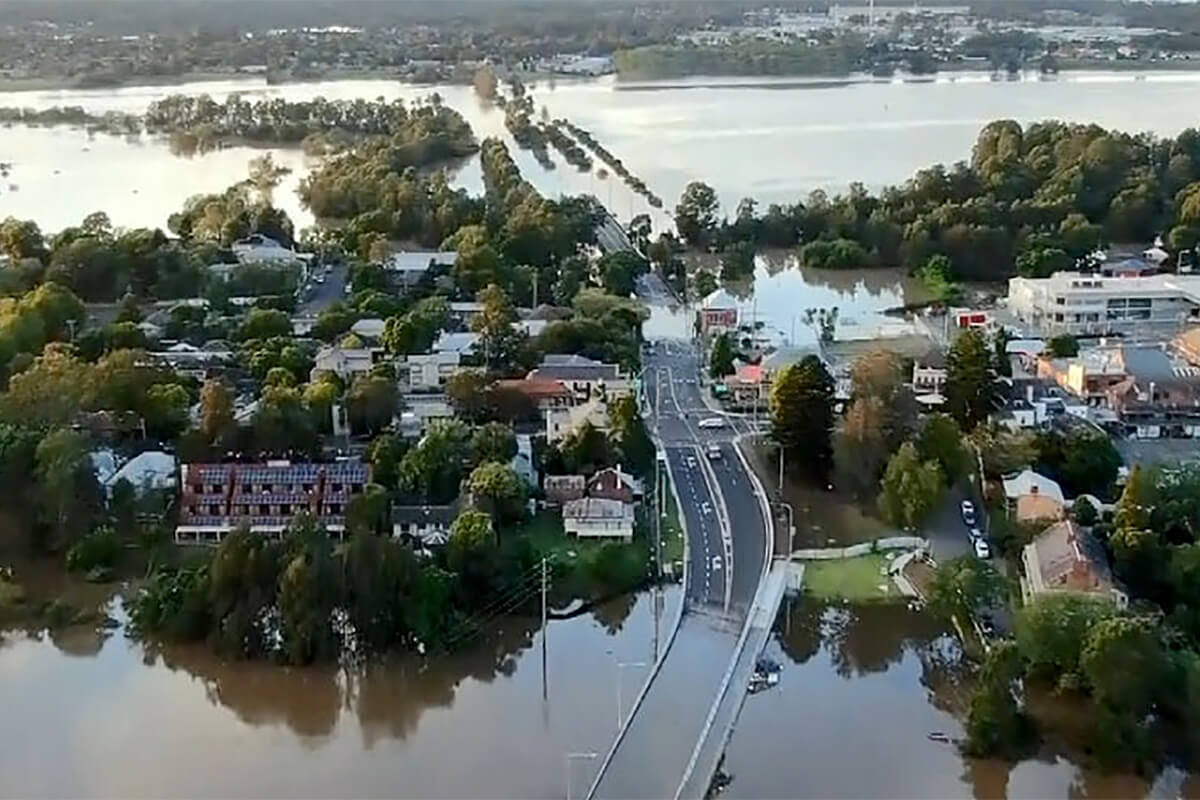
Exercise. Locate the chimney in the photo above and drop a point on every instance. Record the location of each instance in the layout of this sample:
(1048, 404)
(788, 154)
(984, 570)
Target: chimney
(1033, 488)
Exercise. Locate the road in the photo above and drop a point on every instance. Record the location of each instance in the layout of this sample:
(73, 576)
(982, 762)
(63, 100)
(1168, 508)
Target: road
(726, 536)
(322, 295)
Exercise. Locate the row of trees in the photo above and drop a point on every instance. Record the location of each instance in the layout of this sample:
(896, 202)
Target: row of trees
(1031, 200)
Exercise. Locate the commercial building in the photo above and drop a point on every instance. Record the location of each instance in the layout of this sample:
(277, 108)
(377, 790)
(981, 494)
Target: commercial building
(1080, 303)
(216, 499)
(718, 312)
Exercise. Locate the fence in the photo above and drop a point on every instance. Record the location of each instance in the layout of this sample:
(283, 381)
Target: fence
(887, 543)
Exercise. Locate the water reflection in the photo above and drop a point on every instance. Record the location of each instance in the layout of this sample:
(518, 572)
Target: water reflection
(177, 721)
(862, 686)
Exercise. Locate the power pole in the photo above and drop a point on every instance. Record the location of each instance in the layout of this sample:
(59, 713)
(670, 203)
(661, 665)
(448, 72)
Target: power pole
(545, 631)
(535, 287)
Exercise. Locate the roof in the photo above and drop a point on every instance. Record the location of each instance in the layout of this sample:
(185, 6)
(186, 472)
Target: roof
(1155, 364)
(574, 367)
(278, 471)
(1030, 482)
(147, 469)
(1032, 347)
(372, 327)
(462, 342)
(1070, 558)
(565, 481)
(613, 478)
(749, 373)
(420, 260)
(597, 508)
(535, 387)
(720, 300)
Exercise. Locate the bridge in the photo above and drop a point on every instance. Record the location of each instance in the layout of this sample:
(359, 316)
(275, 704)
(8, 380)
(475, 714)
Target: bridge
(672, 741)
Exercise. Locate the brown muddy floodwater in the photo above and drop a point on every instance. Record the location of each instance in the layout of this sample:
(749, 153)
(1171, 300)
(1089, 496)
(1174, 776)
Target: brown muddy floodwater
(88, 713)
(861, 689)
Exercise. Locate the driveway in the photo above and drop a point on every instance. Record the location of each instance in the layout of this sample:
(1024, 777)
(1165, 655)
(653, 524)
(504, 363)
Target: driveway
(946, 531)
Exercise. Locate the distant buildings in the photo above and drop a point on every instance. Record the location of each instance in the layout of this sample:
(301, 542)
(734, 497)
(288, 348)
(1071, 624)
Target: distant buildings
(1077, 303)
(257, 248)
(216, 499)
(408, 267)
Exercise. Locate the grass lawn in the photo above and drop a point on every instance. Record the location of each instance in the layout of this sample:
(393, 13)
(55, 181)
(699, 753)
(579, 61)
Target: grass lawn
(854, 579)
(672, 530)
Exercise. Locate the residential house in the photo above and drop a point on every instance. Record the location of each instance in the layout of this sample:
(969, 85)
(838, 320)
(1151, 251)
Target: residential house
(346, 362)
(561, 422)
(563, 488)
(427, 372)
(1065, 559)
(409, 266)
(929, 373)
(216, 499)
(718, 312)
(463, 343)
(613, 483)
(587, 379)
(147, 472)
(747, 387)
(420, 411)
(258, 248)
(371, 328)
(545, 394)
(429, 525)
(598, 518)
(1032, 496)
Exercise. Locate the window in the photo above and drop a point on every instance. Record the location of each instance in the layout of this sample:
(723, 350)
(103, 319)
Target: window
(245, 509)
(198, 488)
(264, 509)
(216, 488)
(1062, 301)
(1058, 317)
(215, 510)
(285, 508)
(335, 487)
(191, 509)
(306, 488)
(335, 508)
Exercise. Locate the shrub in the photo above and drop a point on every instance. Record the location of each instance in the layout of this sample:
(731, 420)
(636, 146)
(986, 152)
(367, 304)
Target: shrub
(100, 548)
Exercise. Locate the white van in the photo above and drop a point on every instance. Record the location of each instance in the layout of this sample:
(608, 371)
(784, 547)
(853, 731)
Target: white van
(712, 422)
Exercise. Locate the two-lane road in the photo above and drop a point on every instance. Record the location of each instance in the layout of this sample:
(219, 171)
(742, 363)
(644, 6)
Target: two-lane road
(706, 554)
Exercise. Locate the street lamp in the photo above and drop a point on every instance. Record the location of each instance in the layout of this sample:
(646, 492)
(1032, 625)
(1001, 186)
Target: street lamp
(568, 758)
(620, 666)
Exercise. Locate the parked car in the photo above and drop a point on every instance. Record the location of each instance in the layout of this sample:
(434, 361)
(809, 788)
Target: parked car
(975, 534)
(968, 512)
(982, 550)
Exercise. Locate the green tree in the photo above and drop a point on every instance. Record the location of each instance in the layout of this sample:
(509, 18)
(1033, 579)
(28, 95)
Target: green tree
(384, 454)
(368, 510)
(471, 534)
(910, 488)
(431, 470)
(1063, 346)
(619, 272)
(371, 403)
(166, 410)
(67, 492)
(969, 384)
(704, 283)
(493, 441)
(282, 423)
(802, 415)
(499, 339)
(263, 323)
(497, 489)
(996, 725)
(309, 591)
(630, 435)
(696, 213)
(941, 440)
(720, 362)
(1051, 632)
(965, 587)
(216, 412)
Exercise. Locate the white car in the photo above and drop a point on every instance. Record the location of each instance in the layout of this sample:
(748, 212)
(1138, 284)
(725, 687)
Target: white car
(981, 549)
(713, 452)
(968, 512)
(712, 422)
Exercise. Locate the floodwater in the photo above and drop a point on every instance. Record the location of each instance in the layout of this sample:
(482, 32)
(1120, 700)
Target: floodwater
(771, 140)
(91, 713)
(862, 687)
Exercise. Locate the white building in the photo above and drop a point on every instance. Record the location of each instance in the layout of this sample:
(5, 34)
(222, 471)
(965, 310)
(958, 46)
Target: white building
(346, 362)
(562, 421)
(1074, 302)
(585, 378)
(427, 371)
(146, 472)
(522, 462)
(370, 328)
(408, 266)
(593, 517)
(257, 249)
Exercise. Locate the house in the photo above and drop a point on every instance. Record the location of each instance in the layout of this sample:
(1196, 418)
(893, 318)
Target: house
(1032, 496)
(146, 472)
(421, 410)
(427, 371)
(747, 387)
(430, 525)
(563, 488)
(543, 393)
(598, 518)
(718, 312)
(346, 362)
(522, 462)
(216, 499)
(929, 374)
(1064, 558)
(407, 267)
(463, 343)
(562, 421)
(613, 483)
(585, 378)
(258, 248)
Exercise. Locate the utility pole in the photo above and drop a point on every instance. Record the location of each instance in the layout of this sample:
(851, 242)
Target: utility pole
(545, 631)
(535, 287)
(781, 470)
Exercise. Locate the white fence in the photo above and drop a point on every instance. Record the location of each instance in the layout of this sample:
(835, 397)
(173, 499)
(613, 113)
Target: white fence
(888, 543)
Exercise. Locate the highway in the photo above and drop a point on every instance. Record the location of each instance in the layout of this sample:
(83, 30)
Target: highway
(726, 536)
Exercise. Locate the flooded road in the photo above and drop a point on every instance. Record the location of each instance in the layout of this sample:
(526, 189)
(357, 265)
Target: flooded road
(87, 715)
(861, 689)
